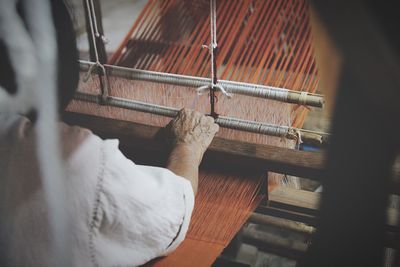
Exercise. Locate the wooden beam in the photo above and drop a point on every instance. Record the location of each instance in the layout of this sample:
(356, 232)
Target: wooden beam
(138, 137)
(281, 223)
(302, 199)
(139, 140)
(268, 241)
(308, 202)
(302, 206)
(287, 214)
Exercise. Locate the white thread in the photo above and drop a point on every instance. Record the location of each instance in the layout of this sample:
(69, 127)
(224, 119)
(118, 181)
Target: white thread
(202, 89)
(299, 140)
(227, 122)
(93, 29)
(211, 47)
(303, 98)
(91, 69)
(95, 32)
(241, 88)
(213, 44)
(223, 91)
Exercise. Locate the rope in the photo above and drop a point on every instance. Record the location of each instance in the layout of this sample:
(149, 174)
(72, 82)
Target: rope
(213, 44)
(93, 28)
(97, 33)
(303, 98)
(94, 31)
(212, 48)
(299, 139)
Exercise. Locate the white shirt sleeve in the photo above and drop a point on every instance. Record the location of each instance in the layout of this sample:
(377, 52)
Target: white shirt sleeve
(141, 212)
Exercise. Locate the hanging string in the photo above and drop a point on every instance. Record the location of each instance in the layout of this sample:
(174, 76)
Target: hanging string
(213, 49)
(97, 33)
(94, 31)
(299, 139)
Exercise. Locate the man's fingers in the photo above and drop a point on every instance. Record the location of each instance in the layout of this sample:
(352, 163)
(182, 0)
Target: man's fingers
(209, 119)
(193, 127)
(215, 128)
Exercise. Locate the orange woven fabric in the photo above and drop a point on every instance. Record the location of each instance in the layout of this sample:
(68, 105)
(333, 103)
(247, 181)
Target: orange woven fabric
(193, 253)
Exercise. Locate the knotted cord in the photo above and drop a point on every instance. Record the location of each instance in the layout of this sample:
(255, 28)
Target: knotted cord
(213, 49)
(94, 32)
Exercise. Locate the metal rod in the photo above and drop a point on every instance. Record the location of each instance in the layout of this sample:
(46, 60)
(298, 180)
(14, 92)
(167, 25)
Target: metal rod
(226, 122)
(272, 242)
(254, 90)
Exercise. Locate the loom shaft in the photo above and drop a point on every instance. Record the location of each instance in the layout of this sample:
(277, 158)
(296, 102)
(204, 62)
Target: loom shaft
(240, 88)
(226, 122)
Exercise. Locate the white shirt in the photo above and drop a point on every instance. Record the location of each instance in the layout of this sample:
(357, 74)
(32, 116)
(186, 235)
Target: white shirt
(122, 214)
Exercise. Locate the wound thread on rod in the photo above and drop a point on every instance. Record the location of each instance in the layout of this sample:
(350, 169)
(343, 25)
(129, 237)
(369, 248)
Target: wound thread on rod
(240, 88)
(226, 122)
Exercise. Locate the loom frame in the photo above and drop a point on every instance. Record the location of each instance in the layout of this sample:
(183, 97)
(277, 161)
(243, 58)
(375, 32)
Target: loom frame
(281, 161)
(135, 138)
(144, 144)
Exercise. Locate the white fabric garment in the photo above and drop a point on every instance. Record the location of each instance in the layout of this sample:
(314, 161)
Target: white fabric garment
(123, 214)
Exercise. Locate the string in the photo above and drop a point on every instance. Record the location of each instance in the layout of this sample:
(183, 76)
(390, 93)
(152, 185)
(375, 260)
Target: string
(93, 28)
(212, 47)
(94, 31)
(97, 33)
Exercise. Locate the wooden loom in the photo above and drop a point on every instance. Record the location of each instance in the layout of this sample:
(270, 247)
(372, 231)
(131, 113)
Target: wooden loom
(263, 43)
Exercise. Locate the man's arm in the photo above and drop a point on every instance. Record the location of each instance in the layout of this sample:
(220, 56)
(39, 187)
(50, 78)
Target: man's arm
(190, 134)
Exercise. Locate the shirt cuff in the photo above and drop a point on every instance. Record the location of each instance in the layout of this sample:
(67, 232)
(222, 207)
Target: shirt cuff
(188, 196)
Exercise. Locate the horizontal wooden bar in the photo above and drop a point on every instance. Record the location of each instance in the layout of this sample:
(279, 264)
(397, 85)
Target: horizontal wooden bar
(273, 243)
(138, 138)
(281, 223)
(391, 237)
(308, 203)
(134, 136)
(287, 214)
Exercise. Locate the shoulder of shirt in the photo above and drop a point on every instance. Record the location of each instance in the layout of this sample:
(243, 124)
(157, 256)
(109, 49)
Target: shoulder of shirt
(76, 139)
(17, 128)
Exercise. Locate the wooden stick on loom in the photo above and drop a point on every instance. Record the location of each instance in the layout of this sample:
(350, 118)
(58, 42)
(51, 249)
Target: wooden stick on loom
(226, 122)
(240, 88)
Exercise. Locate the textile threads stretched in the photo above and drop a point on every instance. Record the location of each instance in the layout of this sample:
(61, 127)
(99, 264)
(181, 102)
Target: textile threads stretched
(223, 203)
(259, 41)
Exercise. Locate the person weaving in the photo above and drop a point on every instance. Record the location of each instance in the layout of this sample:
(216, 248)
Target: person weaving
(123, 214)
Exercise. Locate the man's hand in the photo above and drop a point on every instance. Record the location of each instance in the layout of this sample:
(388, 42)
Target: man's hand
(193, 130)
(190, 134)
